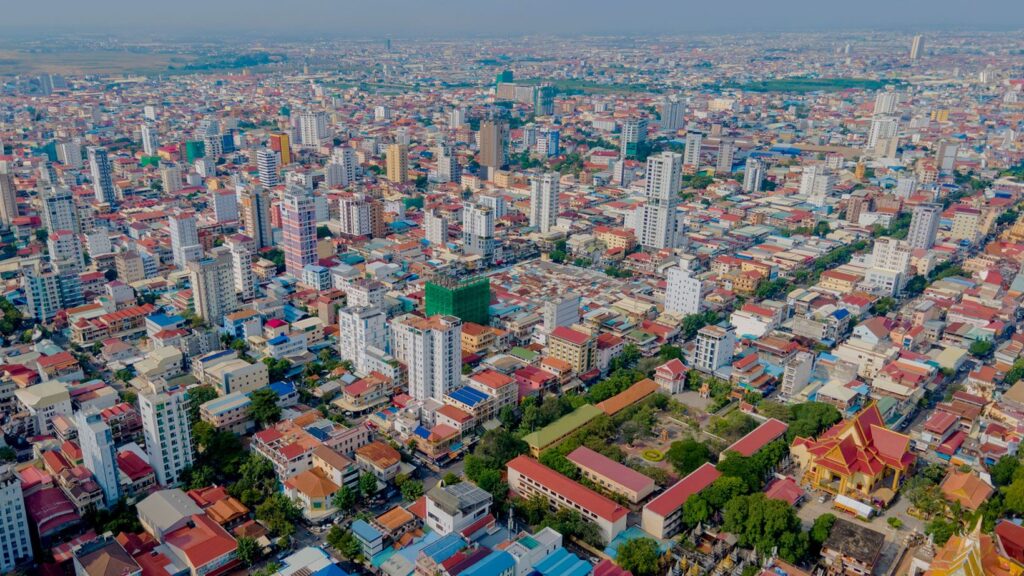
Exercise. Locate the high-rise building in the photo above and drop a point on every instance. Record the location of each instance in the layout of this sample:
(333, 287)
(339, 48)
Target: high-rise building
(715, 346)
(313, 129)
(213, 285)
(255, 216)
(562, 310)
(225, 205)
(47, 173)
(354, 214)
(398, 163)
(882, 126)
(817, 183)
(150, 139)
(70, 154)
(854, 208)
(924, 225)
(468, 301)
(885, 102)
(726, 149)
(266, 163)
(15, 541)
(906, 186)
(341, 168)
(478, 231)
(657, 216)
(753, 175)
(8, 199)
(456, 118)
(59, 210)
(102, 177)
(448, 169)
(185, 246)
(493, 134)
(65, 248)
(691, 155)
(917, 47)
(966, 224)
(298, 230)
(436, 229)
(282, 144)
(240, 248)
(358, 329)
(544, 100)
(890, 266)
(945, 156)
(544, 201)
(672, 114)
(149, 112)
(683, 291)
(47, 291)
(170, 177)
(431, 349)
(167, 432)
(633, 136)
(98, 453)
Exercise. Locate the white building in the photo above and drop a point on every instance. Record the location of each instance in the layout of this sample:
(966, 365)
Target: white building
(691, 155)
(672, 114)
(313, 130)
(715, 346)
(70, 154)
(225, 205)
(450, 509)
(544, 201)
(185, 246)
(59, 210)
(882, 126)
(15, 541)
(726, 151)
(150, 139)
(241, 267)
(890, 266)
(924, 225)
(753, 175)
(683, 291)
(341, 168)
(817, 183)
(657, 217)
(435, 229)
(213, 285)
(102, 177)
(358, 329)
(431, 349)
(65, 249)
(885, 102)
(796, 373)
(478, 231)
(266, 163)
(99, 454)
(354, 213)
(561, 311)
(167, 432)
(43, 402)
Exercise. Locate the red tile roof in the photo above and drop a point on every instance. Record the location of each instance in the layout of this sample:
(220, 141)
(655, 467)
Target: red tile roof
(759, 437)
(675, 496)
(569, 335)
(567, 488)
(203, 541)
(599, 463)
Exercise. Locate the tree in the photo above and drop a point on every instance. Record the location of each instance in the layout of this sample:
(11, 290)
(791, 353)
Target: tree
(915, 286)
(1013, 497)
(7, 454)
(641, 556)
(279, 514)
(981, 348)
(762, 523)
(249, 551)
(277, 369)
(820, 530)
(822, 229)
(257, 480)
(198, 395)
(450, 479)
(669, 352)
(345, 498)
(344, 542)
(687, 455)
(367, 485)
(1004, 470)
(263, 406)
(124, 374)
(412, 490)
(882, 306)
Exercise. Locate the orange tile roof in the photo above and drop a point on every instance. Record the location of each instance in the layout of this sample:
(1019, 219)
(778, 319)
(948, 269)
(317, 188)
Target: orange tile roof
(629, 396)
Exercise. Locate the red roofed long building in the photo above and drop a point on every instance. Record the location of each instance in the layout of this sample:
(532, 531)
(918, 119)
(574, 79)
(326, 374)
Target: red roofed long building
(663, 516)
(527, 477)
(859, 458)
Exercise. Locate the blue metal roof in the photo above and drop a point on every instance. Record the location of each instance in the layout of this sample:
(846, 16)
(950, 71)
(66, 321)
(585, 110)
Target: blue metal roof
(562, 562)
(279, 339)
(282, 388)
(363, 530)
(444, 548)
(468, 396)
(494, 564)
(422, 432)
(161, 319)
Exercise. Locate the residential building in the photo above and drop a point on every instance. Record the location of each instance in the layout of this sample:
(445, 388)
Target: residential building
(255, 214)
(267, 164)
(213, 285)
(167, 432)
(684, 292)
(15, 540)
(398, 163)
(298, 226)
(577, 348)
(715, 345)
(657, 217)
(359, 330)
(544, 201)
(450, 509)
(924, 224)
(98, 453)
(184, 239)
(102, 175)
(431, 350)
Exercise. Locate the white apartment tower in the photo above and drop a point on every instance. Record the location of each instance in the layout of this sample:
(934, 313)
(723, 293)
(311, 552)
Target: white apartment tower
(70, 154)
(478, 231)
(726, 151)
(15, 541)
(753, 175)
(255, 216)
(544, 201)
(683, 291)
(241, 267)
(358, 329)
(561, 311)
(102, 178)
(924, 225)
(715, 346)
(213, 285)
(99, 454)
(917, 47)
(8, 199)
(266, 163)
(59, 210)
(672, 114)
(817, 183)
(691, 155)
(882, 127)
(885, 102)
(890, 266)
(436, 228)
(341, 168)
(185, 246)
(168, 435)
(657, 223)
(313, 130)
(354, 213)
(170, 177)
(150, 139)
(431, 349)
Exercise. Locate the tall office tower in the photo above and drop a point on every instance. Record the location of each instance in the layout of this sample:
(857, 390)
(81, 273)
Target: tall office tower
(924, 225)
(456, 118)
(436, 228)
(945, 155)
(266, 163)
(715, 347)
(47, 173)
(691, 155)
(890, 266)
(358, 328)
(150, 139)
(213, 147)
(882, 127)
(102, 178)
(97, 243)
(493, 134)
(548, 142)
(225, 205)
(256, 217)
(495, 202)
(544, 201)
(341, 168)
(149, 112)
(8, 199)
(241, 266)
(59, 210)
(99, 454)
(298, 227)
(65, 250)
(70, 154)
(213, 285)
(431, 348)
(478, 231)
(657, 226)
(282, 144)
(185, 246)
(47, 291)
(917, 48)
(906, 186)
(562, 310)
(816, 183)
(854, 208)
(672, 114)
(726, 149)
(683, 291)
(544, 100)
(167, 432)
(354, 214)
(313, 130)
(15, 540)
(753, 175)
(448, 169)
(170, 177)
(634, 134)
(885, 102)
(398, 163)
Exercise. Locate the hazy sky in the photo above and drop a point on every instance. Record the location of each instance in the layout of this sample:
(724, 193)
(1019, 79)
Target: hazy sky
(489, 17)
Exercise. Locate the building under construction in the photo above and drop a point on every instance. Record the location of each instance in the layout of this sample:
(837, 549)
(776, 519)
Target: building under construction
(467, 300)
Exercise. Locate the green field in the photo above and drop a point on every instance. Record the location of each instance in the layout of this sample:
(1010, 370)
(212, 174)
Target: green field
(569, 86)
(803, 85)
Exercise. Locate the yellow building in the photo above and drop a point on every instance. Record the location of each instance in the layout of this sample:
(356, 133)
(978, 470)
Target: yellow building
(616, 238)
(839, 282)
(973, 554)
(398, 163)
(574, 347)
(282, 144)
(476, 338)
